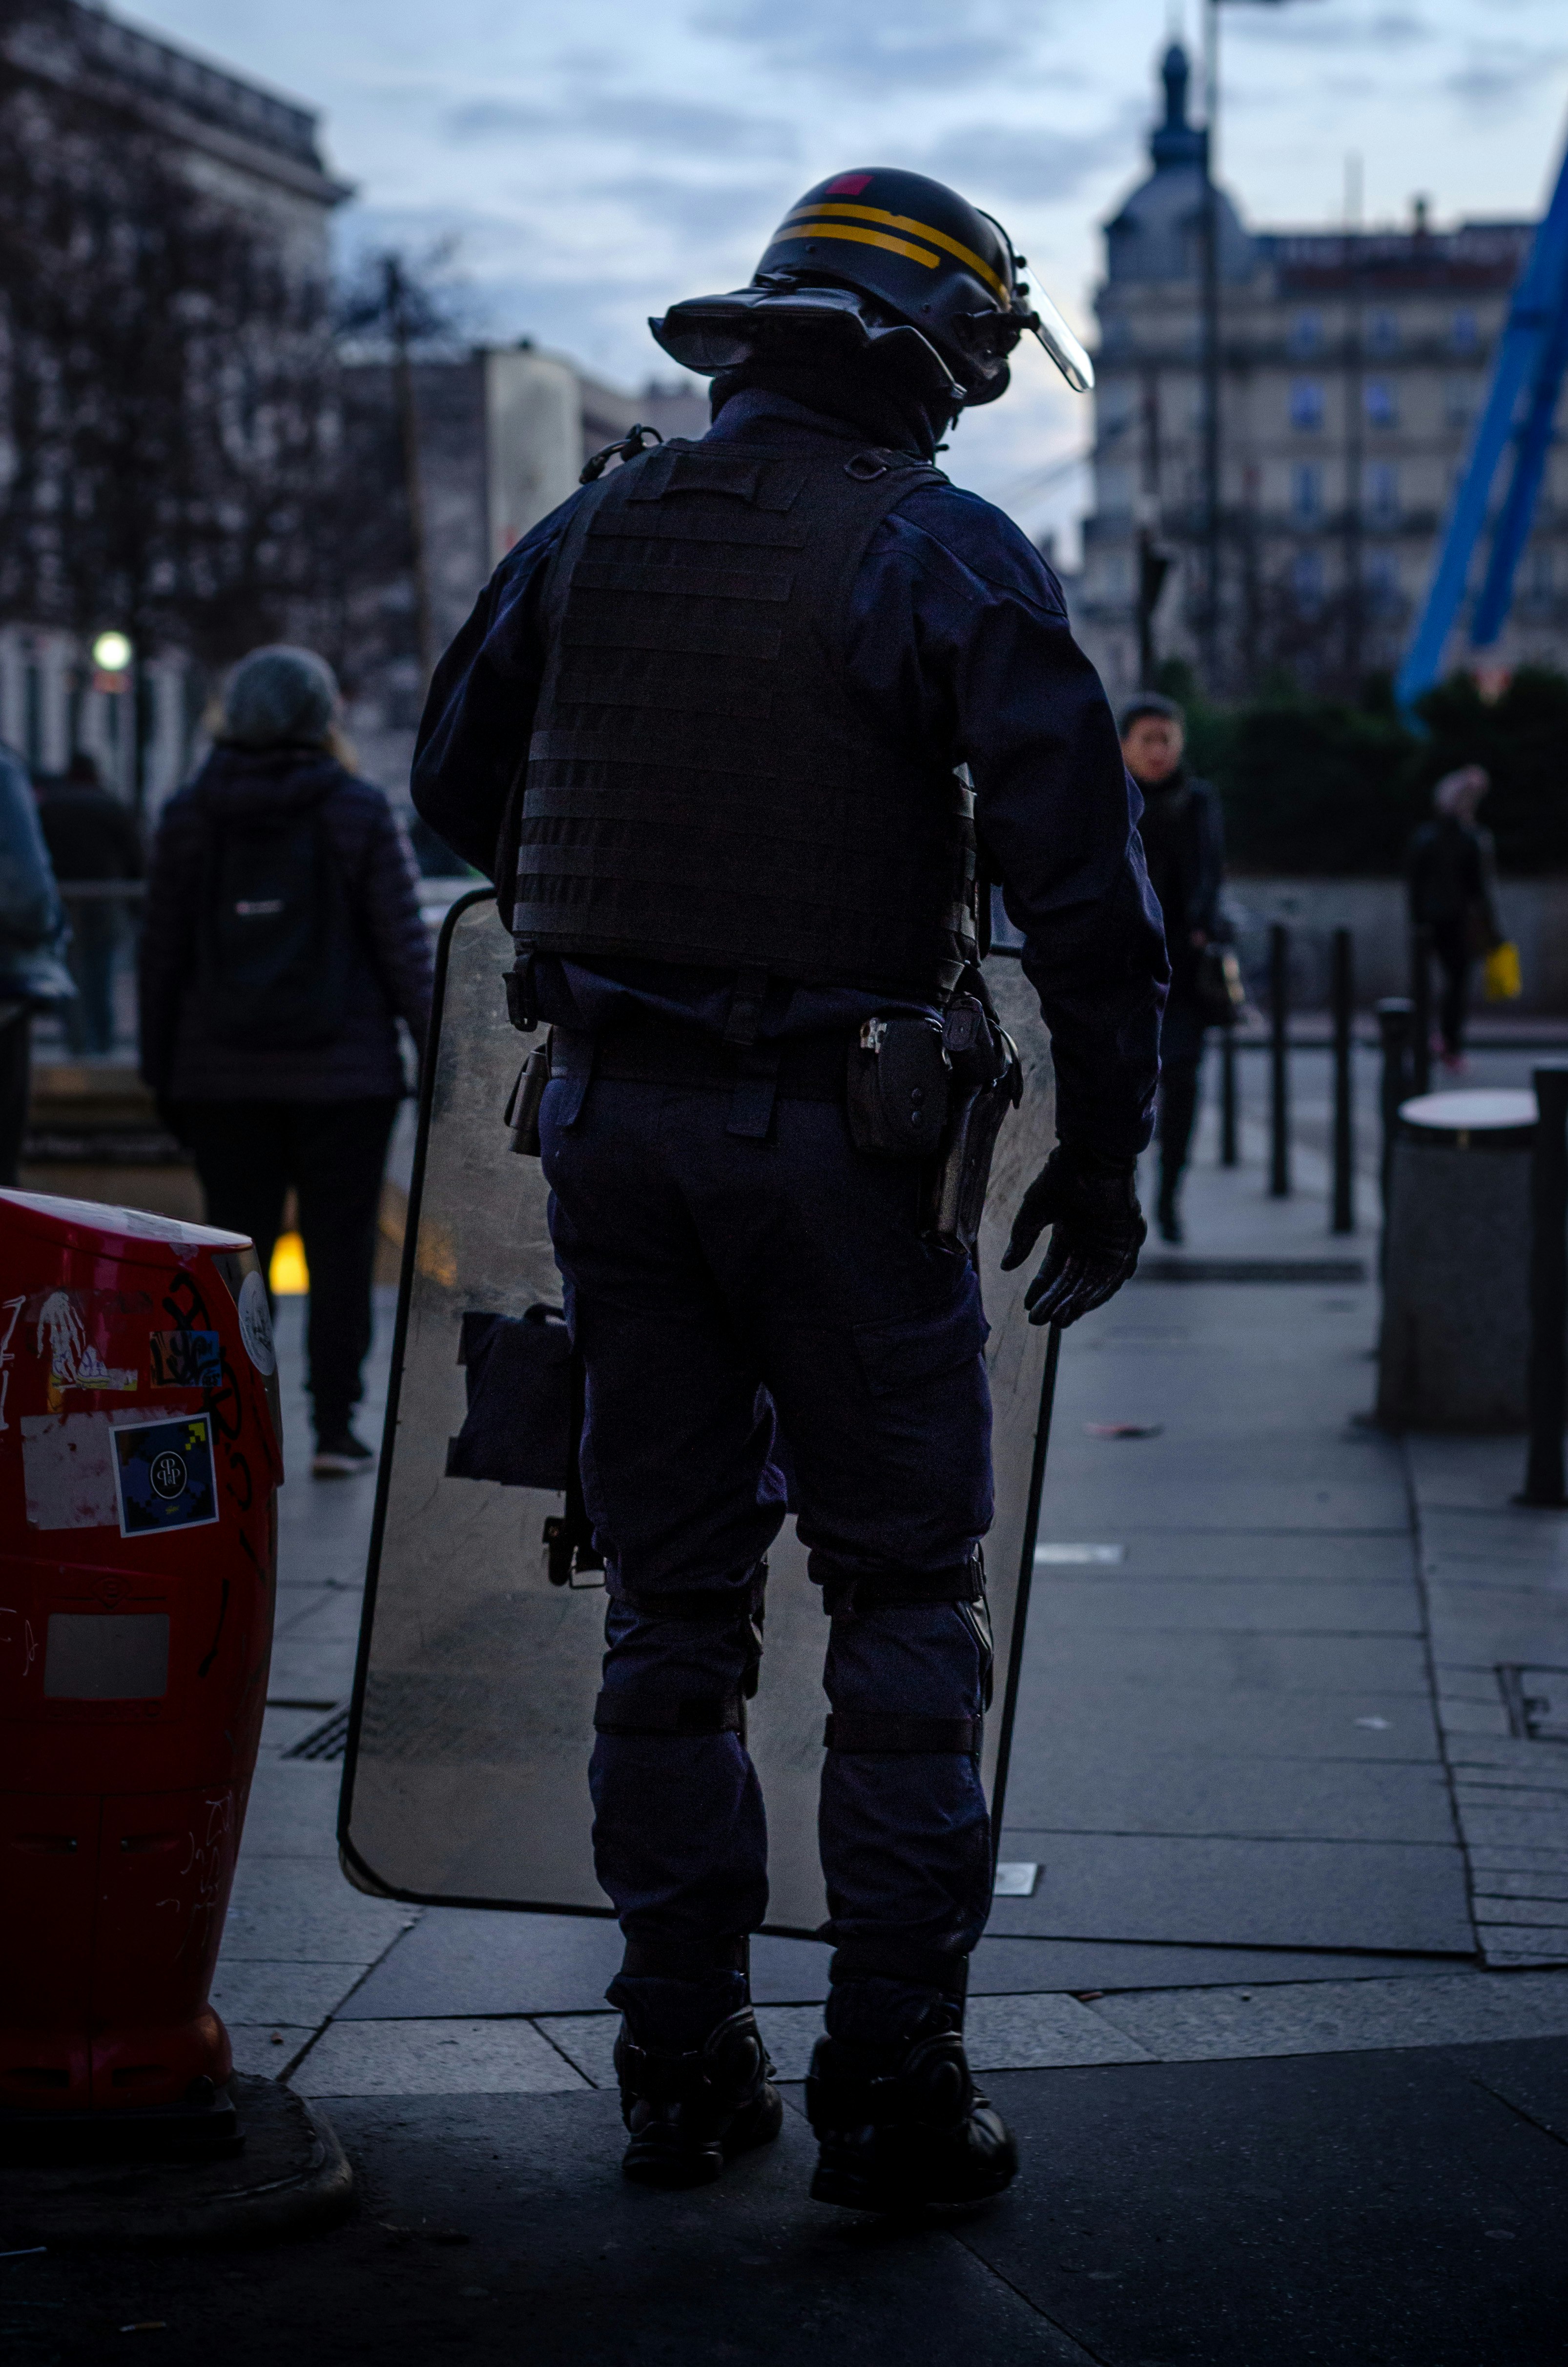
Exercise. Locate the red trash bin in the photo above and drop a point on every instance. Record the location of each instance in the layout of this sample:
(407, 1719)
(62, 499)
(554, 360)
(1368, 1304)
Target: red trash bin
(141, 1449)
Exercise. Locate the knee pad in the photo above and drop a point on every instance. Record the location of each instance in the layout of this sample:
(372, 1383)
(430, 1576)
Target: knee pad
(661, 1703)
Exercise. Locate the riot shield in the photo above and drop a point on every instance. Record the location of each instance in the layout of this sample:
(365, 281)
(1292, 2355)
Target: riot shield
(466, 1776)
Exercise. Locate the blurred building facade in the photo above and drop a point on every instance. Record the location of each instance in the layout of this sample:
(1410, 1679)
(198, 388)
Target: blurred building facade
(1353, 365)
(247, 147)
(502, 435)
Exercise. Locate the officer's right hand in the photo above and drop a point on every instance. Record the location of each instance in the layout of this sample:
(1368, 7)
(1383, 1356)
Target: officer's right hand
(1097, 1228)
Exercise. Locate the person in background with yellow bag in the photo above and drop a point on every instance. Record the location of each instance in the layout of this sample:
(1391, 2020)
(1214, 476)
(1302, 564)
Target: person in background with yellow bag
(1452, 870)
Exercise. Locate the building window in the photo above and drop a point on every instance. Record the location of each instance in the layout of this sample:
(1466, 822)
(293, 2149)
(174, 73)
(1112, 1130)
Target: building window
(1463, 332)
(1382, 583)
(1306, 578)
(1306, 403)
(1306, 333)
(1382, 403)
(1458, 403)
(1306, 490)
(1382, 491)
(1382, 334)
(1541, 574)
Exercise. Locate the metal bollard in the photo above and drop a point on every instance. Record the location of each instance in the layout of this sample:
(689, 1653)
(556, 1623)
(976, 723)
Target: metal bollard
(1393, 1030)
(1548, 1390)
(1344, 991)
(1421, 1011)
(1278, 1061)
(1228, 1155)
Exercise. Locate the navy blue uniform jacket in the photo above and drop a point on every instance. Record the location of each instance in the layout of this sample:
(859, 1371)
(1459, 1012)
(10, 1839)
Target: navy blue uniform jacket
(956, 637)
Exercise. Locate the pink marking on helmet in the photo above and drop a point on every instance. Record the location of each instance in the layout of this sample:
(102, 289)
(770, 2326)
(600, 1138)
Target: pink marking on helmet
(849, 185)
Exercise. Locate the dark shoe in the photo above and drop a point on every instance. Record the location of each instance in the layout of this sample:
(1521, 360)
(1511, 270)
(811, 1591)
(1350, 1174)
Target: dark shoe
(904, 2130)
(1170, 1224)
(341, 1455)
(689, 2114)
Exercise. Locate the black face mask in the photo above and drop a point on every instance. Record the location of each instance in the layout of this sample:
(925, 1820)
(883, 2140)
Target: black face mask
(893, 415)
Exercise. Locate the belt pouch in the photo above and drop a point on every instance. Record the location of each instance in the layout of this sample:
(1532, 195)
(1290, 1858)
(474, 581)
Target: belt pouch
(897, 1087)
(522, 1107)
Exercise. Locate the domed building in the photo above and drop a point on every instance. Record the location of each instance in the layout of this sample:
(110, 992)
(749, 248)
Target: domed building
(1352, 363)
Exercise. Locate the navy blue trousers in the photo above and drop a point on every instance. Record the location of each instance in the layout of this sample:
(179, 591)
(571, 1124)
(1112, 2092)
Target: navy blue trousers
(714, 1282)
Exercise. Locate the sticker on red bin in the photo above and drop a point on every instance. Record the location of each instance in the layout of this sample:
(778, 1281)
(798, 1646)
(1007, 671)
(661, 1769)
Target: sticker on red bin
(186, 1360)
(163, 1473)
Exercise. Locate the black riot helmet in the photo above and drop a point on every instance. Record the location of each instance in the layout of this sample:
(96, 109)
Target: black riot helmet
(895, 268)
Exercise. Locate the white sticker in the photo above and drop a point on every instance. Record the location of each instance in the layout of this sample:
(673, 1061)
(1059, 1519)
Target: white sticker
(256, 1324)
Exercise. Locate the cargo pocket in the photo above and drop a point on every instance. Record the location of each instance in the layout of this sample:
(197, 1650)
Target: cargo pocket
(914, 1349)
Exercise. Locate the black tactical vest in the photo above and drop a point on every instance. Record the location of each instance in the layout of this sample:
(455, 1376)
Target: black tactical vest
(702, 786)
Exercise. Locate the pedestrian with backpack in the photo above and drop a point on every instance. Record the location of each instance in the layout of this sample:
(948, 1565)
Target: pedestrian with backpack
(281, 944)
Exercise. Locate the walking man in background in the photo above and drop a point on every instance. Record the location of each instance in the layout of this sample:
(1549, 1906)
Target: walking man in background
(1184, 845)
(1452, 872)
(282, 942)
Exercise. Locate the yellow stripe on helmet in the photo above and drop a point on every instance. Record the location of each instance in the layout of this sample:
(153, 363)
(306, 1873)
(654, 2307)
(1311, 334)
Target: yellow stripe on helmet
(921, 230)
(866, 237)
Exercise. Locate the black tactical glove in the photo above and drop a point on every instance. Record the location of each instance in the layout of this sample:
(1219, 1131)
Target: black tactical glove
(1098, 1229)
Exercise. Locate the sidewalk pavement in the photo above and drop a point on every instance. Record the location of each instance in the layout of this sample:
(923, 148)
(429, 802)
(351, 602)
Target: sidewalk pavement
(1282, 2025)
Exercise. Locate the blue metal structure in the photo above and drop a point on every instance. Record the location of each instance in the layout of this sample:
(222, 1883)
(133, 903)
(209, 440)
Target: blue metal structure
(1521, 405)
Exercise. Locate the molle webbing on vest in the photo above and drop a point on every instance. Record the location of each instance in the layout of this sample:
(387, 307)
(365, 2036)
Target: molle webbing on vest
(702, 786)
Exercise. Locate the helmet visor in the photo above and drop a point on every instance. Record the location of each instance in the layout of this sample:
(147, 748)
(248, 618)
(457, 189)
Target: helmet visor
(1062, 344)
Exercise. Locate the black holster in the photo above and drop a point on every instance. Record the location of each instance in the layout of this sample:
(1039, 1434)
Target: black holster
(987, 1081)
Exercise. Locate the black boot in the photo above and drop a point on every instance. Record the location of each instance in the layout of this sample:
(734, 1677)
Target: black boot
(1167, 1216)
(689, 2113)
(901, 2127)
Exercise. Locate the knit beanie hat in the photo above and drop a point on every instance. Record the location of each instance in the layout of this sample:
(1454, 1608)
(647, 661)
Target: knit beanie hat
(278, 697)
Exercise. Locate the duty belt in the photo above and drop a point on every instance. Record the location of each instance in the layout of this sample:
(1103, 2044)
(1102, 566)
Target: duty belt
(648, 1049)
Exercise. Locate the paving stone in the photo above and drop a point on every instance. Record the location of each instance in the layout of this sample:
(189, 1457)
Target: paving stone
(302, 1909)
(304, 1670)
(1509, 1907)
(1003, 1965)
(1266, 1894)
(280, 1994)
(434, 2058)
(1021, 2034)
(1524, 1886)
(587, 2041)
(1080, 1603)
(292, 1810)
(1519, 1943)
(1325, 1799)
(330, 1616)
(265, 2050)
(1274, 1555)
(1511, 1827)
(1331, 2017)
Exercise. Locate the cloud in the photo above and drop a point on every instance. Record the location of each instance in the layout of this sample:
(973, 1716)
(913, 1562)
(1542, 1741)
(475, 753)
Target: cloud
(1387, 29)
(1497, 75)
(879, 43)
(690, 127)
(645, 120)
(1032, 166)
(699, 210)
(502, 118)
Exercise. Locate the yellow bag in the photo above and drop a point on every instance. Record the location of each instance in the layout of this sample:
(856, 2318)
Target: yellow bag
(1501, 976)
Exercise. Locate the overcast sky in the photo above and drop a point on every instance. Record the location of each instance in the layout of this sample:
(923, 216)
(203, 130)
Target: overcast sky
(594, 165)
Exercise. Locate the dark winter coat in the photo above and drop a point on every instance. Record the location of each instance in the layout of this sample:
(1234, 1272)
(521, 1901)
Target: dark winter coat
(390, 973)
(1451, 867)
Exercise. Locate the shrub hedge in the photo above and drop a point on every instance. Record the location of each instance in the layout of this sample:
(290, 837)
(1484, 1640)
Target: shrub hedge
(1316, 789)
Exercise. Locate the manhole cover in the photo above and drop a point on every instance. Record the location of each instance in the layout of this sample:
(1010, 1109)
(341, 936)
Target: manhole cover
(1537, 1703)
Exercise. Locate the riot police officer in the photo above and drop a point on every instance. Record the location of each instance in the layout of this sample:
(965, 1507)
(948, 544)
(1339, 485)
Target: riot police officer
(712, 730)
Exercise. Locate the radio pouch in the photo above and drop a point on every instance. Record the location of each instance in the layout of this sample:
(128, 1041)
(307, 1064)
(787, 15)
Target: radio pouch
(897, 1087)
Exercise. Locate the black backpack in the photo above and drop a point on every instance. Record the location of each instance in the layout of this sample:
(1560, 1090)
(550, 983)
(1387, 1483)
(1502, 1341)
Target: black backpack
(276, 930)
